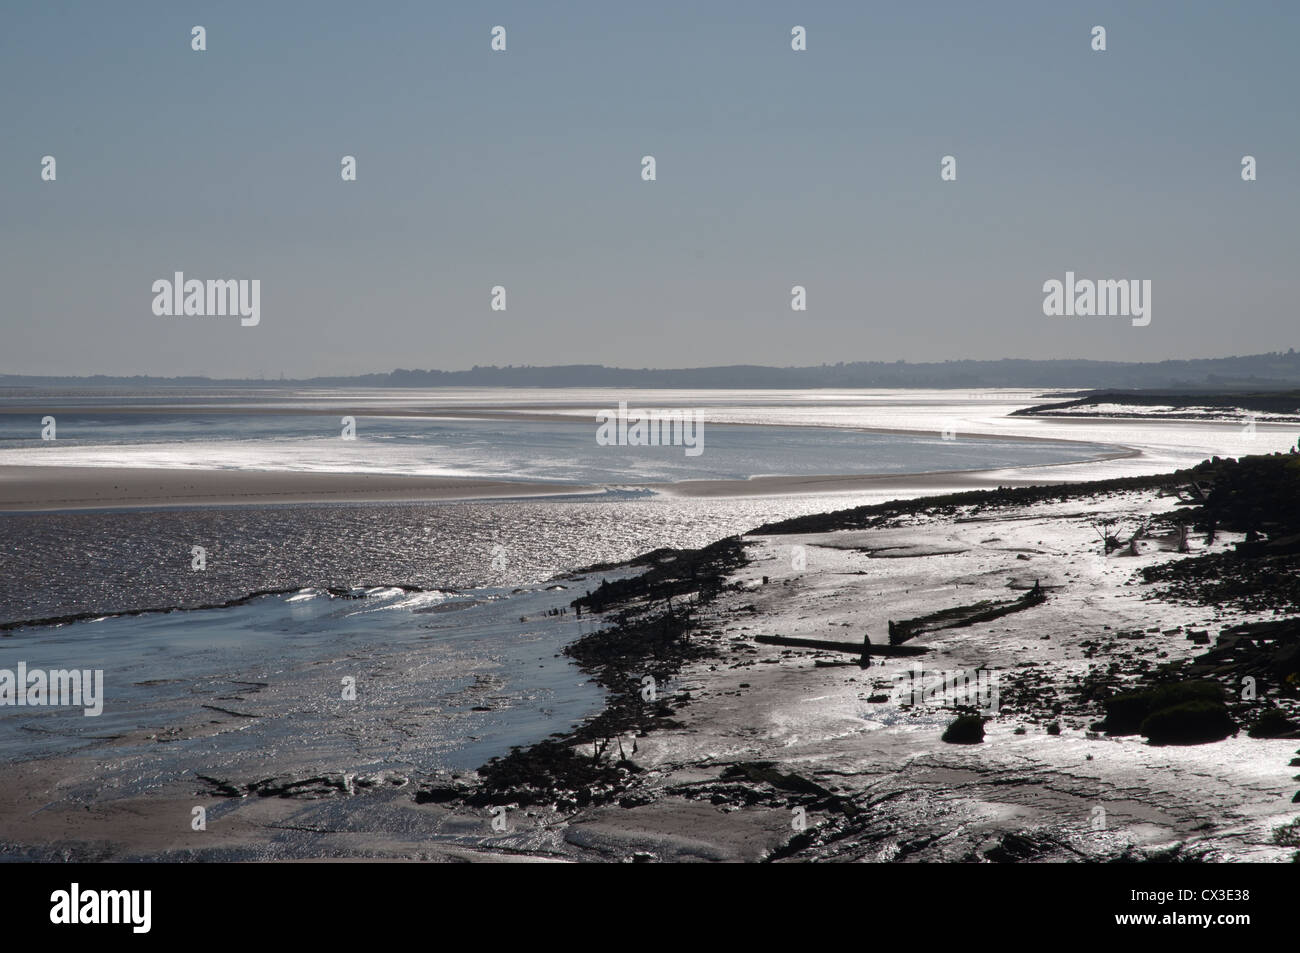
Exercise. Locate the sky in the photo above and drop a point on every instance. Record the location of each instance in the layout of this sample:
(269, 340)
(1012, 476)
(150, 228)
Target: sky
(522, 169)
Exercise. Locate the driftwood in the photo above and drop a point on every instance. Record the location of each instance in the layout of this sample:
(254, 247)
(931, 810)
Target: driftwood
(960, 616)
(855, 647)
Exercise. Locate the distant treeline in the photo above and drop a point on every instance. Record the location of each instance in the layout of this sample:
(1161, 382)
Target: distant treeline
(1256, 372)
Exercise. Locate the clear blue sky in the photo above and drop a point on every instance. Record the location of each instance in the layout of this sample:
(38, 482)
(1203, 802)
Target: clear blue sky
(522, 169)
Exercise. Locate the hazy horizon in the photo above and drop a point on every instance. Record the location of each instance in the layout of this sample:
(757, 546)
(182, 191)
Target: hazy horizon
(1279, 370)
(522, 168)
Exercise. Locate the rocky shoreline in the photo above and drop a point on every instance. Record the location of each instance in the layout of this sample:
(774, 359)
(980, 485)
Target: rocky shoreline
(667, 624)
(757, 702)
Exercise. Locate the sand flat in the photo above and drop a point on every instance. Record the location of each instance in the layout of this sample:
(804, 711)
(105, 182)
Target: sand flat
(1070, 796)
(67, 487)
(34, 488)
(1077, 795)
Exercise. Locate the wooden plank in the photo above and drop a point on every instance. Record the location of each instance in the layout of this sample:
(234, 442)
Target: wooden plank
(831, 646)
(960, 616)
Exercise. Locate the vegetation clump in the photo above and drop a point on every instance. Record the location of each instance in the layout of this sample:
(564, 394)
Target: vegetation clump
(1272, 723)
(1191, 723)
(1191, 712)
(965, 730)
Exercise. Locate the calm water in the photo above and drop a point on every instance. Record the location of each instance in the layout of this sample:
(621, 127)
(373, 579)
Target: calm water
(428, 660)
(530, 451)
(449, 676)
(54, 564)
(443, 682)
(65, 563)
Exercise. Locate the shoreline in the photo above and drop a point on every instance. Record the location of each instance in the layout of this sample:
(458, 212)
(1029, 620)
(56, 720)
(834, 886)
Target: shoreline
(29, 487)
(743, 734)
(714, 779)
(523, 414)
(36, 488)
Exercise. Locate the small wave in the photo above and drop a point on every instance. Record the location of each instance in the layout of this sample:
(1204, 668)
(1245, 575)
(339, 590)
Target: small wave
(304, 595)
(7, 629)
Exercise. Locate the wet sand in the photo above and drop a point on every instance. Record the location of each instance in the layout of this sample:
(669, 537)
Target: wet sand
(756, 731)
(702, 787)
(1150, 447)
(66, 488)
(28, 488)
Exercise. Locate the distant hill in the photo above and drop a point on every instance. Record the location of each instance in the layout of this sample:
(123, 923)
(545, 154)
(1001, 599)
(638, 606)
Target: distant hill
(1256, 372)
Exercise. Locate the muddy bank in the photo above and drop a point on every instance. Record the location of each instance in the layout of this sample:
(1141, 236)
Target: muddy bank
(653, 629)
(780, 752)
(740, 726)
